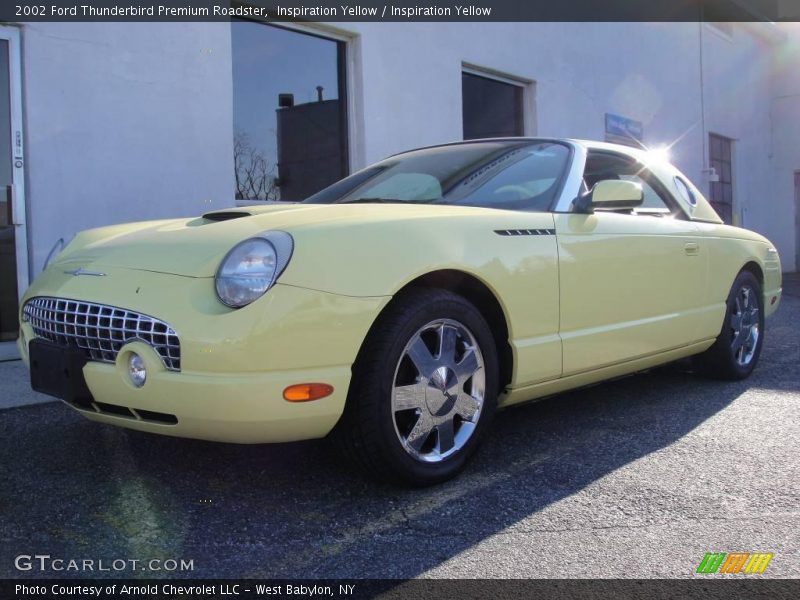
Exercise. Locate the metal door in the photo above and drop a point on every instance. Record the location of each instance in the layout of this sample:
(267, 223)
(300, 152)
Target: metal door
(13, 239)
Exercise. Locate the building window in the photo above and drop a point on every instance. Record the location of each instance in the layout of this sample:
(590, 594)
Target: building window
(289, 112)
(491, 108)
(720, 159)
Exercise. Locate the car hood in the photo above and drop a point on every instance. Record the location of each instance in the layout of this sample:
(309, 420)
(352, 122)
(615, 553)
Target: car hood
(194, 247)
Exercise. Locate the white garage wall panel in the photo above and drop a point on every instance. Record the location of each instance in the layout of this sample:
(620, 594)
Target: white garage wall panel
(134, 121)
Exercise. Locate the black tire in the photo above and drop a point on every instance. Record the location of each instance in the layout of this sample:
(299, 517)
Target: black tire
(722, 360)
(367, 433)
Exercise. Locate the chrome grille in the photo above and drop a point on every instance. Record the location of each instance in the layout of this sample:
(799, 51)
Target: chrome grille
(100, 330)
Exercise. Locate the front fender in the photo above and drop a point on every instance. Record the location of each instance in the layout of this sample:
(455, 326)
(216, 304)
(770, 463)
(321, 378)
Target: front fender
(732, 249)
(378, 259)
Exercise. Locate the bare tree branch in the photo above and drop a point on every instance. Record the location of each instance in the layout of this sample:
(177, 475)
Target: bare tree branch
(253, 174)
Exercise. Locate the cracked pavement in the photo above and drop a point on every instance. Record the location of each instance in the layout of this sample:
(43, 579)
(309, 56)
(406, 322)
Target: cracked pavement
(638, 477)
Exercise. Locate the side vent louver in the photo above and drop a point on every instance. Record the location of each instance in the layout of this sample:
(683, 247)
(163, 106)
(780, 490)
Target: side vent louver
(525, 231)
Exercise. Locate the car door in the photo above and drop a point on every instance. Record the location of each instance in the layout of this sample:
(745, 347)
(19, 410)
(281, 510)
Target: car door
(631, 283)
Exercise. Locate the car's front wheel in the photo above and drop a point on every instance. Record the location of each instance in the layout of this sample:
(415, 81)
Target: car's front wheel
(424, 389)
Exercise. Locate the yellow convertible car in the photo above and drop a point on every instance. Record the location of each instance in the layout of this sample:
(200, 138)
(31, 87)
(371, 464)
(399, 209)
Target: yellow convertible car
(399, 308)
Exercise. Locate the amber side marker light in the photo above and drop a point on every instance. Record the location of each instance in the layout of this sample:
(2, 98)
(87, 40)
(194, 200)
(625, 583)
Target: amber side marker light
(303, 392)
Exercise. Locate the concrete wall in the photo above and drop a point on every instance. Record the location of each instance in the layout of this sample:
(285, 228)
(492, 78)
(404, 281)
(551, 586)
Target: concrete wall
(785, 128)
(737, 93)
(649, 72)
(124, 122)
(133, 121)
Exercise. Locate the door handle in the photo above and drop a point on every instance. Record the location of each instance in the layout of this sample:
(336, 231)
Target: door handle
(691, 248)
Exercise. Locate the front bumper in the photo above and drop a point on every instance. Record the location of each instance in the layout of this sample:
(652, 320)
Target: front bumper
(239, 408)
(772, 299)
(772, 281)
(235, 364)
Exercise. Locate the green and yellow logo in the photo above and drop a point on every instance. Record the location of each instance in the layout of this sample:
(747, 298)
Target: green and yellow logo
(735, 562)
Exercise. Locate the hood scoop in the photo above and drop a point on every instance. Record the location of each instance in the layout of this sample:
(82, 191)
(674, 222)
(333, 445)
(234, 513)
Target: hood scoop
(226, 215)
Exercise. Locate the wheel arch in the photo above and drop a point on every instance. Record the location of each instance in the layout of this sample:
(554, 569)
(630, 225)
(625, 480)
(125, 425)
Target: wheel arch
(753, 267)
(478, 293)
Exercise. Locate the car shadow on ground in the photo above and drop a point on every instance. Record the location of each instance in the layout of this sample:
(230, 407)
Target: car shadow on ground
(294, 510)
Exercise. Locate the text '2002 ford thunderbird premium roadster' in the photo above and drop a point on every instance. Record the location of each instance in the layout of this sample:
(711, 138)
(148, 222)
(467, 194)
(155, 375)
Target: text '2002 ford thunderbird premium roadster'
(398, 308)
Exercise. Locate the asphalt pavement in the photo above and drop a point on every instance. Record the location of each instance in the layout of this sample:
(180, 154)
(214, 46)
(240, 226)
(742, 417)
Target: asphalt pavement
(638, 477)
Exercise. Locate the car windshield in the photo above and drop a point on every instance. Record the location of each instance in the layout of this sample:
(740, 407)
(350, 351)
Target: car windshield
(520, 175)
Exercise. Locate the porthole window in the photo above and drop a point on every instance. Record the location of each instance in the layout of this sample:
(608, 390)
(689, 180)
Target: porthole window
(685, 192)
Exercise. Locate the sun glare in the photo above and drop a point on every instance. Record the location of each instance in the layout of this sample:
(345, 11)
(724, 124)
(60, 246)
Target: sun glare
(659, 155)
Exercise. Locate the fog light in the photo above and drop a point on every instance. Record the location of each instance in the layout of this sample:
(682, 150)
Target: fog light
(136, 369)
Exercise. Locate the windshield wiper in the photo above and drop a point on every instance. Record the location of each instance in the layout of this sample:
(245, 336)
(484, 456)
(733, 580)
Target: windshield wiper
(379, 200)
(375, 200)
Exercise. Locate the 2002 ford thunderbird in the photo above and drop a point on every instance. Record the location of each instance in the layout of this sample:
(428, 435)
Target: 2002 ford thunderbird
(398, 308)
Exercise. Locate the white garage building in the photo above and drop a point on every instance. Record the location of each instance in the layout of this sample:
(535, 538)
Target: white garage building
(112, 122)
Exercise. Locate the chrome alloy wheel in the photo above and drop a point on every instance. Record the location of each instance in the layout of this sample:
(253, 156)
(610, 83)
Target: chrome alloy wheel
(745, 325)
(438, 390)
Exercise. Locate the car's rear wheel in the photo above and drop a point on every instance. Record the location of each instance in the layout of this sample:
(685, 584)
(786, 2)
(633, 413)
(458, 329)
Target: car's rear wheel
(424, 389)
(735, 353)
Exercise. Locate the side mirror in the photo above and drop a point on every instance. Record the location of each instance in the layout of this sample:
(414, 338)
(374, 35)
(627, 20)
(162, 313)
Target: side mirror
(611, 194)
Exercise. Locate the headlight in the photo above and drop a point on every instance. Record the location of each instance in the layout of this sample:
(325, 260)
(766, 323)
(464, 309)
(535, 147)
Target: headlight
(252, 267)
